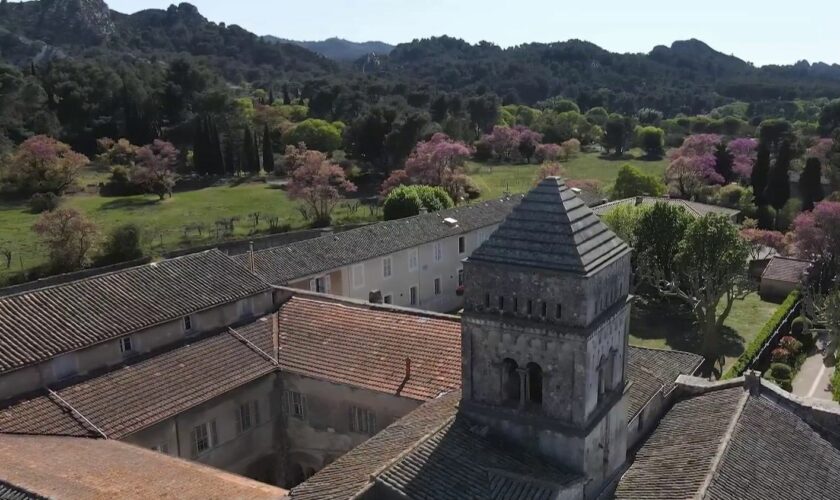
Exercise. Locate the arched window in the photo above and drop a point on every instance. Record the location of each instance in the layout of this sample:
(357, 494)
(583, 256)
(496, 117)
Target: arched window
(535, 383)
(510, 382)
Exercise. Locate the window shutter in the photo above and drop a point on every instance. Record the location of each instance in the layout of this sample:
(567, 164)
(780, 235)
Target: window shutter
(214, 437)
(327, 284)
(256, 412)
(238, 418)
(303, 406)
(312, 286)
(194, 443)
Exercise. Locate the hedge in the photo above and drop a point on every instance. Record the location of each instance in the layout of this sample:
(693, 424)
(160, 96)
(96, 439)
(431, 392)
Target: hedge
(754, 348)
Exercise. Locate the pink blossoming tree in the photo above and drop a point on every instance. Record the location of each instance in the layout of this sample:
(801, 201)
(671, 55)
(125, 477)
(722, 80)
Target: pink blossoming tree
(436, 162)
(319, 184)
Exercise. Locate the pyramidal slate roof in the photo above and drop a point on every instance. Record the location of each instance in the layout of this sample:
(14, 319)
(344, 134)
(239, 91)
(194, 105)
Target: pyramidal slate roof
(552, 228)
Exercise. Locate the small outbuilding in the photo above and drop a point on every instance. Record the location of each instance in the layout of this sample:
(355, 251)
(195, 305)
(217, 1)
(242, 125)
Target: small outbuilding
(781, 276)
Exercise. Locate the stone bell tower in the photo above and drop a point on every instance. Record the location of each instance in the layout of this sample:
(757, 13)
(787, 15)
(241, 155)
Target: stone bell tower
(544, 333)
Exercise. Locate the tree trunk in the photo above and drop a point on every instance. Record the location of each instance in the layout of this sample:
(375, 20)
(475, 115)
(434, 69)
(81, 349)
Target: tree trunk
(711, 342)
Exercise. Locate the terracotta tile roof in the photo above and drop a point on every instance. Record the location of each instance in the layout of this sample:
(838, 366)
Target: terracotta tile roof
(434, 452)
(694, 208)
(677, 457)
(367, 346)
(730, 444)
(552, 228)
(78, 468)
(650, 370)
(306, 258)
(136, 396)
(785, 269)
(40, 324)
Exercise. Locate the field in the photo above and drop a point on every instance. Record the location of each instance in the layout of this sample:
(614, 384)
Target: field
(495, 179)
(667, 329)
(163, 222)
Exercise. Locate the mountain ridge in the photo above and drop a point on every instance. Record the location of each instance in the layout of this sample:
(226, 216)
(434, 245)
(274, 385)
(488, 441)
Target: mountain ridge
(338, 49)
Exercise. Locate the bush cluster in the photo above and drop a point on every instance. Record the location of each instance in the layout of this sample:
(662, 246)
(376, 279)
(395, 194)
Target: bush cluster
(746, 358)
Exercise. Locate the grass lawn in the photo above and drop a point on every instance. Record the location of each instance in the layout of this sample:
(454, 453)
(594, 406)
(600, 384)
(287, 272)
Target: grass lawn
(668, 329)
(494, 179)
(162, 222)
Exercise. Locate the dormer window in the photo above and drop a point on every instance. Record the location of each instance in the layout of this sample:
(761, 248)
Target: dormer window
(125, 345)
(188, 323)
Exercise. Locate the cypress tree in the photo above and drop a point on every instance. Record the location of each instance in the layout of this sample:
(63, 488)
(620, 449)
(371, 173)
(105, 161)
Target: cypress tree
(810, 184)
(270, 97)
(255, 162)
(287, 99)
(216, 150)
(247, 154)
(723, 162)
(230, 161)
(268, 152)
(199, 163)
(760, 173)
(777, 192)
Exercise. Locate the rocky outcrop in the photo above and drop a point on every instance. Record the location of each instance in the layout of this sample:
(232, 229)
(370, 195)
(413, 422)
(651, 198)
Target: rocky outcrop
(76, 21)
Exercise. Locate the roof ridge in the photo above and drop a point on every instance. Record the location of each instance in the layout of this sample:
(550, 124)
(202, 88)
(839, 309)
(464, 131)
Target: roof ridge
(77, 415)
(252, 346)
(659, 349)
(114, 272)
(723, 446)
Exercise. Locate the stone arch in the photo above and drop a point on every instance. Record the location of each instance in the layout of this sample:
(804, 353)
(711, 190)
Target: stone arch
(535, 383)
(511, 384)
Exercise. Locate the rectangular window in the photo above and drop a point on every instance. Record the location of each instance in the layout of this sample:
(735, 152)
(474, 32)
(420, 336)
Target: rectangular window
(559, 311)
(515, 305)
(362, 420)
(501, 303)
(320, 285)
(460, 277)
(462, 244)
(437, 286)
(412, 260)
(412, 295)
(187, 323)
(125, 345)
(388, 299)
(386, 267)
(247, 416)
(438, 251)
(204, 437)
(358, 275)
(530, 307)
(544, 309)
(487, 300)
(297, 404)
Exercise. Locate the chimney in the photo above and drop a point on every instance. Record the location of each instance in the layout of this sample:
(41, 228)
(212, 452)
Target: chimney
(423, 210)
(407, 368)
(752, 380)
(251, 255)
(639, 200)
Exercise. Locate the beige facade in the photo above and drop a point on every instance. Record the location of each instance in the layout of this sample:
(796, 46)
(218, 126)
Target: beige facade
(326, 420)
(116, 351)
(423, 277)
(242, 432)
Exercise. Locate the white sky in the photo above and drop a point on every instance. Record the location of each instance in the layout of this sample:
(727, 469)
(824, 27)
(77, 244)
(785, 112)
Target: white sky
(764, 32)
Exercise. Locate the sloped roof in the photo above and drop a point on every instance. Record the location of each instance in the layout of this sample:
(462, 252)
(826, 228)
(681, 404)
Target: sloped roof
(40, 324)
(306, 258)
(141, 394)
(694, 208)
(729, 442)
(650, 370)
(435, 452)
(65, 467)
(367, 346)
(785, 269)
(552, 228)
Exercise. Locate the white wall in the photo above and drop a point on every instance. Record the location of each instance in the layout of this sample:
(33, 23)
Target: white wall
(398, 285)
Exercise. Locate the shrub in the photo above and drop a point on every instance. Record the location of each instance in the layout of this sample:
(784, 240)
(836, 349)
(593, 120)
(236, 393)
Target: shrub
(754, 347)
(633, 182)
(781, 370)
(121, 245)
(798, 326)
(791, 344)
(406, 201)
(784, 383)
(43, 202)
(780, 355)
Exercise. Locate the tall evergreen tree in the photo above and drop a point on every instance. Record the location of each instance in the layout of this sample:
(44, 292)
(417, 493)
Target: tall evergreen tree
(247, 153)
(287, 99)
(200, 147)
(810, 184)
(777, 192)
(216, 150)
(268, 152)
(270, 97)
(760, 173)
(230, 158)
(723, 162)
